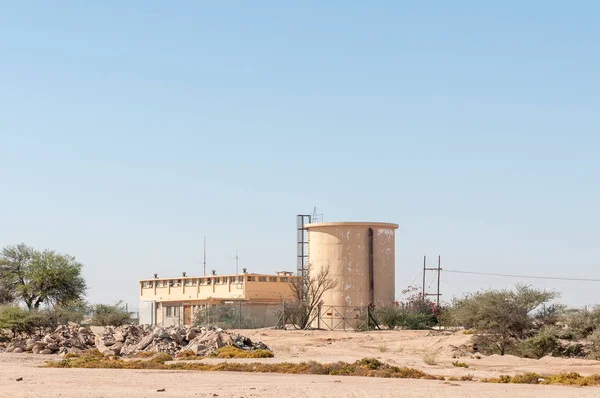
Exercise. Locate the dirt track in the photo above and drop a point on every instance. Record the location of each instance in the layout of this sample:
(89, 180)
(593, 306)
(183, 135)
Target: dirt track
(405, 348)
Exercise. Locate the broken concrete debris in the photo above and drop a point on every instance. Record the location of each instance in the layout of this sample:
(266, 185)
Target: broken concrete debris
(130, 340)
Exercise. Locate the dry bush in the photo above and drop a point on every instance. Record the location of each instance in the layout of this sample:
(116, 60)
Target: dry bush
(234, 352)
(460, 364)
(145, 354)
(187, 355)
(162, 358)
(367, 367)
(430, 359)
(569, 379)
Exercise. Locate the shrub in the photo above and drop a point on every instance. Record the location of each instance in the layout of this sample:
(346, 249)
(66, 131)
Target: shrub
(109, 315)
(234, 352)
(15, 319)
(594, 346)
(544, 342)
(502, 316)
(389, 315)
(460, 364)
(430, 359)
(582, 323)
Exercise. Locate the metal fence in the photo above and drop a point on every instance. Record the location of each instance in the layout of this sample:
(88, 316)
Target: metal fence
(240, 315)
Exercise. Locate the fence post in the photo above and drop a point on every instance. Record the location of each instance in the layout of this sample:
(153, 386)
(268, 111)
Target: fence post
(319, 316)
(240, 315)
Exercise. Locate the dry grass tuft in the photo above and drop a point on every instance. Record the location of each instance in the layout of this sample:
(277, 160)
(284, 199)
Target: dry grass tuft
(568, 379)
(162, 358)
(187, 355)
(460, 364)
(367, 367)
(430, 359)
(234, 352)
(145, 354)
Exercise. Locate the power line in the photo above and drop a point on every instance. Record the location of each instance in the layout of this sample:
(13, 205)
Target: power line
(524, 276)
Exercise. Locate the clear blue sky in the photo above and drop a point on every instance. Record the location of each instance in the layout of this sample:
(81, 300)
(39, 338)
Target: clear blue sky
(130, 130)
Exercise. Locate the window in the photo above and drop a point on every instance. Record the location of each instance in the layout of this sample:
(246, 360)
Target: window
(178, 282)
(146, 284)
(217, 280)
(171, 283)
(250, 279)
(262, 278)
(188, 282)
(224, 280)
(284, 279)
(194, 282)
(169, 311)
(272, 279)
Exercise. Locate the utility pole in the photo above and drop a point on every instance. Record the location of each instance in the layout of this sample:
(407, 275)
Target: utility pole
(439, 273)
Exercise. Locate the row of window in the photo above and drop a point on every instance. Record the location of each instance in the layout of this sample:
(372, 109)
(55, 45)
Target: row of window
(216, 280)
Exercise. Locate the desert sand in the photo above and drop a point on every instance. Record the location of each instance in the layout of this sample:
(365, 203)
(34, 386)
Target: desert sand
(402, 348)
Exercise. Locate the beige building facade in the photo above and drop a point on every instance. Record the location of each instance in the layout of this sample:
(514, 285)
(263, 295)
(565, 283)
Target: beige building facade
(174, 301)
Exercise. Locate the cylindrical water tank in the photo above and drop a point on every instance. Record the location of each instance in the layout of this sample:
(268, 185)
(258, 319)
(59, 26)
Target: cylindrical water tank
(361, 258)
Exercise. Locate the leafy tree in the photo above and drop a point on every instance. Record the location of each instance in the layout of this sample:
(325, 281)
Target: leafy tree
(307, 297)
(109, 315)
(36, 278)
(501, 317)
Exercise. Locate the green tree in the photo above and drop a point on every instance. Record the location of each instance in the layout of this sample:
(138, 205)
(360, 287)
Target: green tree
(40, 277)
(501, 317)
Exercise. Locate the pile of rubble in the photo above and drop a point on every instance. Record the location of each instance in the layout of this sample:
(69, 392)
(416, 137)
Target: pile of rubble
(130, 340)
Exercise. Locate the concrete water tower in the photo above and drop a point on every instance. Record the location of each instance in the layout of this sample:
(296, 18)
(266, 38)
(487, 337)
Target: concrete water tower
(360, 257)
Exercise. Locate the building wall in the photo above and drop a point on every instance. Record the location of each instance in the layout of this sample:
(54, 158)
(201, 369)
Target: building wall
(344, 248)
(211, 290)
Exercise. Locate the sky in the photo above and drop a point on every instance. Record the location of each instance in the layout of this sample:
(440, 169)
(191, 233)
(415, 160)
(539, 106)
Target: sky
(131, 130)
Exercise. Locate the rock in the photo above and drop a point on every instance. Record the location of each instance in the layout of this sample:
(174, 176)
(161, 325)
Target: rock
(18, 350)
(46, 352)
(174, 334)
(52, 347)
(109, 342)
(118, 336)
(29, 344)
(48, 339)
(82, 330)
(191, 335)
(161, 333)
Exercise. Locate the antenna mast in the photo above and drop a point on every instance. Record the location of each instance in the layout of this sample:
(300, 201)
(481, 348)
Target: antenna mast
(205, 256)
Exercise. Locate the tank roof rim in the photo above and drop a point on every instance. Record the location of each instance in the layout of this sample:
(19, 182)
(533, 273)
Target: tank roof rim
(351, 223)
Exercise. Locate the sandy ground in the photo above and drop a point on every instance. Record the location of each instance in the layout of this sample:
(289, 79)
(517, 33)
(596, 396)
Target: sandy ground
(403, 348)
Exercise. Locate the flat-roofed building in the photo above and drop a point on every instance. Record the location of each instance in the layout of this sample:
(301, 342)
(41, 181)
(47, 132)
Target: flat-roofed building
(174, 301)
